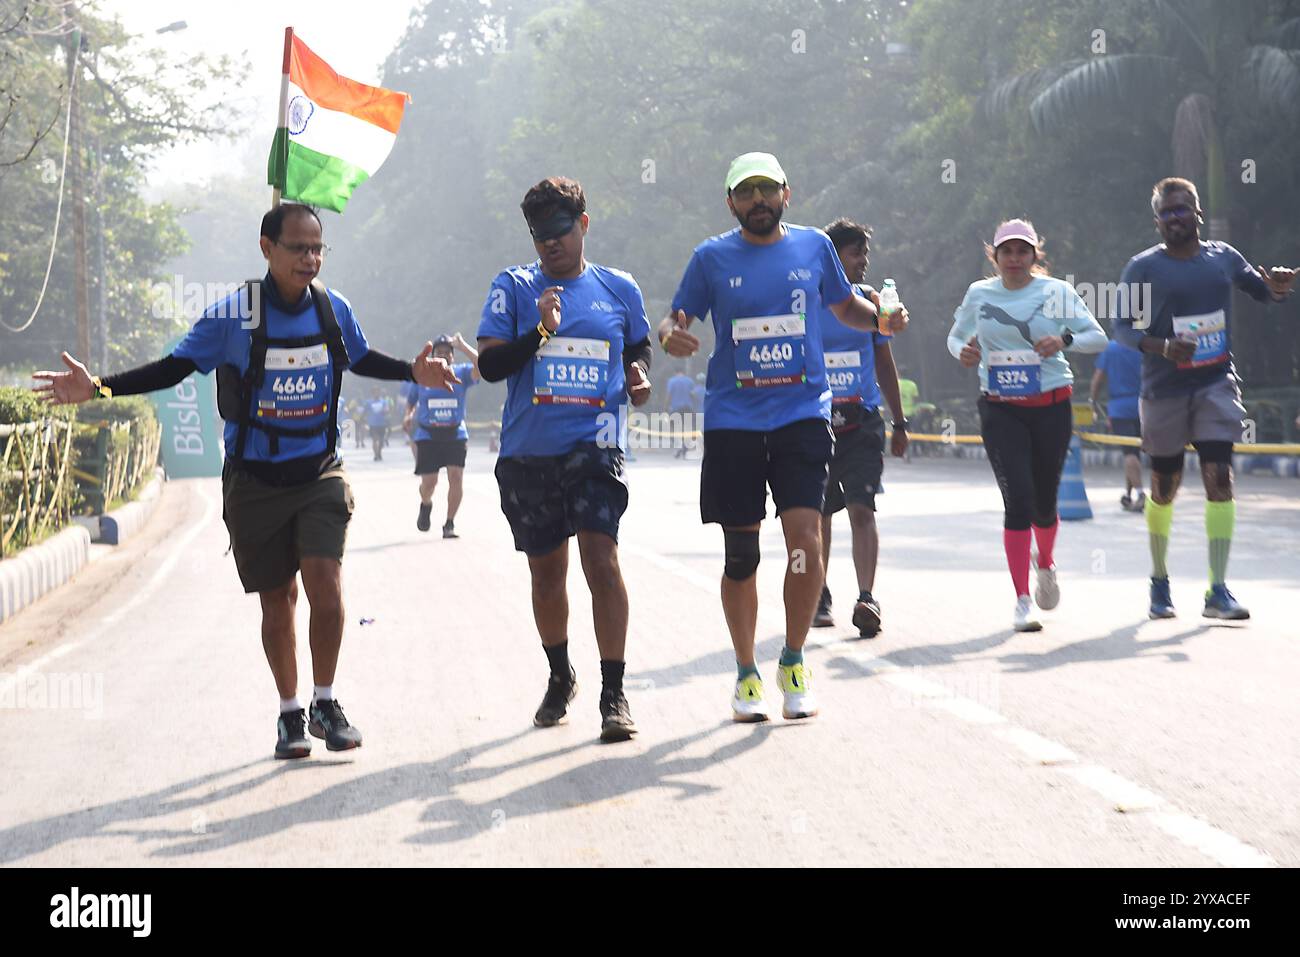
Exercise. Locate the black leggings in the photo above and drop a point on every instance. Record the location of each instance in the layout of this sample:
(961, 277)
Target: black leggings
(1027, 446)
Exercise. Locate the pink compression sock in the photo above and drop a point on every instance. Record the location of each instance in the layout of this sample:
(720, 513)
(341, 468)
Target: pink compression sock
(1046, 539)
(1016, 542)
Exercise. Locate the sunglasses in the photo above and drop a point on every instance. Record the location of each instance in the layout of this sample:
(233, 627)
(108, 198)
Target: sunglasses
(745, 191)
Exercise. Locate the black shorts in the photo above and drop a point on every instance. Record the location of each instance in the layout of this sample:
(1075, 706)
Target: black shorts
(548, 498)
(740, 465)
(1129, 427)
(434, 454)
(858, 464)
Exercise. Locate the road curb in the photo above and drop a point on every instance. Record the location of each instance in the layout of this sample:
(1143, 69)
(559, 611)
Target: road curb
(38, 570)
(117, 526)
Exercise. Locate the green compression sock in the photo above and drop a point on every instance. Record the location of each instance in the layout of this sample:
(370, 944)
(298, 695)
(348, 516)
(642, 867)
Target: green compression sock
(1220, 520)
(1160, 519)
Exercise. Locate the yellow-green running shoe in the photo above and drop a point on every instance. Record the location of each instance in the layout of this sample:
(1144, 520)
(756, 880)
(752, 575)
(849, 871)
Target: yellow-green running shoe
(748, 705)
(796, 684)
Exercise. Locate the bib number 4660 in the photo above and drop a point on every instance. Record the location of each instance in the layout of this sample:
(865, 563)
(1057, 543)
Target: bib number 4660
(771, 353)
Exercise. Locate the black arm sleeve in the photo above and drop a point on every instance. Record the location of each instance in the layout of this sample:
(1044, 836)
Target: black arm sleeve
(163, 374)
(496, 363)
(375, 365)
(638, 352)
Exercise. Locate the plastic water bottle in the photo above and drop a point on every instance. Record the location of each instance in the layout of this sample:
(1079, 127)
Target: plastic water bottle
(889, 303)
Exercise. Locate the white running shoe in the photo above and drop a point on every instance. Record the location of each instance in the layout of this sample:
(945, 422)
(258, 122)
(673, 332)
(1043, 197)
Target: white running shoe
(796, 686)
(1025, 620)
(1048, 594)
(747, 705)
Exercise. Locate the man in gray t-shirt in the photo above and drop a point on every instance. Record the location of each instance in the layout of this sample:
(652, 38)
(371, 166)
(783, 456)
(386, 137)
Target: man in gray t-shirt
(1177, 310)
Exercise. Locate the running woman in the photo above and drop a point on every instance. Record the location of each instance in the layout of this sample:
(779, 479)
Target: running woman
(573, 341)
(435, 419)
(1120, 368)
(1016, 326)
(860, 367)
(1190, 390)
(767, 408)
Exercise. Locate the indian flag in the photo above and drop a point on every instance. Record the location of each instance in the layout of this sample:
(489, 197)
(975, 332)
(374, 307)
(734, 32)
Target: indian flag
(334, 132)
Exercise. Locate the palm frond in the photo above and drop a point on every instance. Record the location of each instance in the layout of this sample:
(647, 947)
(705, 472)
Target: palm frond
(1271, 77)
(1103, 86)
(1006, 96)
(1183, 34)
(1287, 35)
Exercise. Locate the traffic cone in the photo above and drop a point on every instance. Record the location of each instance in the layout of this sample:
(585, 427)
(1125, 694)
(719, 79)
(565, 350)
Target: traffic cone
(1072, 499)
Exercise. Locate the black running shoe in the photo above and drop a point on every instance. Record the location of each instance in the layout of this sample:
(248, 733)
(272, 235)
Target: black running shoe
(290, 738)
(328, 722)
(866, 617)
(615, 718)
(449, 531)
(422, 522)
(823, 618)
(555, 703)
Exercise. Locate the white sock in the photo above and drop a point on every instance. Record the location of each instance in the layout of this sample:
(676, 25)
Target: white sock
(289, 704)
(322, 693)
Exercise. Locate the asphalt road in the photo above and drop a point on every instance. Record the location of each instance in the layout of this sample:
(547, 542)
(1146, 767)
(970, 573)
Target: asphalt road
(1105, 740)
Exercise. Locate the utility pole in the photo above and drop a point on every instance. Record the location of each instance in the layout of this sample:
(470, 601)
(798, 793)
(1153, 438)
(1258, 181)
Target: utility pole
(78, 197)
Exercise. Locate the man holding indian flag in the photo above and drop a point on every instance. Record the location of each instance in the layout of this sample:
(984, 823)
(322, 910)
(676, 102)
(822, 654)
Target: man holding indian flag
(280, 346)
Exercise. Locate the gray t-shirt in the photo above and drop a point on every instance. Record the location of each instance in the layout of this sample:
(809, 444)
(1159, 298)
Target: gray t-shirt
(1189, 297)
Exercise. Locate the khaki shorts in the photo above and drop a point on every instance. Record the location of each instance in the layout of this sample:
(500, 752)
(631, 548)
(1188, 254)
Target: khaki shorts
(1210, 414)
(273, 528)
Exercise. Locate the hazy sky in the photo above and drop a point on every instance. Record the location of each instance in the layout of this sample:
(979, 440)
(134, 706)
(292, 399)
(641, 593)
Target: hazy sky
(353, 37)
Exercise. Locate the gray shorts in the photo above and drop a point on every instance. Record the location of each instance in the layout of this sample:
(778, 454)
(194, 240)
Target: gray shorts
(1211, 414)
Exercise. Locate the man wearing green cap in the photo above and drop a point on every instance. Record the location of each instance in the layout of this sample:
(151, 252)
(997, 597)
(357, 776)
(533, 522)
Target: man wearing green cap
(767, 407)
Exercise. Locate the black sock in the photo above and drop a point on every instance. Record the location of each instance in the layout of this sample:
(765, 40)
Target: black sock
(611, 676)
(558, 656)
(826, 595)
(864, 595)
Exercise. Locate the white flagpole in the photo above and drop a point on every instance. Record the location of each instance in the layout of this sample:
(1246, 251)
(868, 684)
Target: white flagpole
(282, 115)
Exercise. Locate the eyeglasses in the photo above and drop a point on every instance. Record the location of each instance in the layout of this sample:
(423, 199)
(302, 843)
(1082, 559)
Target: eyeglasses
(316, 250)
(1174, 212)
(745, 191)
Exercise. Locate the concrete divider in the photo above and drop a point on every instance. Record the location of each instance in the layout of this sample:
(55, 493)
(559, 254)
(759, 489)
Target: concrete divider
(38, 570)
(117, 526)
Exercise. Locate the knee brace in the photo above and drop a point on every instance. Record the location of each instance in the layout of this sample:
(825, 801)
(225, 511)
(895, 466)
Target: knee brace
(1167, 464)
(1213, 451)
(742, 554)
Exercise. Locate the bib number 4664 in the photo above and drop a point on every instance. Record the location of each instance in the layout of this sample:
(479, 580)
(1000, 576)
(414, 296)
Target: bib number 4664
(294, 386)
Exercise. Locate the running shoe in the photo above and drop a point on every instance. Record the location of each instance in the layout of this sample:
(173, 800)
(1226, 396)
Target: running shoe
(1162, 605)
(747, 704)
(615, 717)
(1047, 595)
(555, 703)
(422, 521)
(866, 616)
(449, 531)
(327, 721)
(1219, 603)
(1140, 503)
(823, 618)
(1126, 502)
(290, 736)
(796, 685)
(1025, 620)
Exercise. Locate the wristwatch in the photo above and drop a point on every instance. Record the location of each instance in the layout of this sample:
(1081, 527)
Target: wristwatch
(900, 424)
(101, 391)
(1067, 338)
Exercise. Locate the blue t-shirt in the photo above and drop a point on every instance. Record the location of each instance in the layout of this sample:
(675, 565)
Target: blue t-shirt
(297, 389)
(1009, 321)
(1123, 369)
(698, 392)
(767, 368)
(679, 392)
(1185, 293)
(377, 412)
(574, 390)
(850, 359)
(440, 413)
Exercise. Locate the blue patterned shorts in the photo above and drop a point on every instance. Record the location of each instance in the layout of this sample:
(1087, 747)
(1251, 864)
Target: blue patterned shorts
(548, 498)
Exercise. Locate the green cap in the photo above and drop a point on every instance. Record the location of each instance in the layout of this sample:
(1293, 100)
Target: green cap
(754, 164)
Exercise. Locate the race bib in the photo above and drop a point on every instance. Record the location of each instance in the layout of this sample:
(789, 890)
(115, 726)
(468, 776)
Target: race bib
(1015, 372)
(441, 412)
(297, 384)
(571, 371)
(769, 351)
(1211, 333)
(844, 374)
